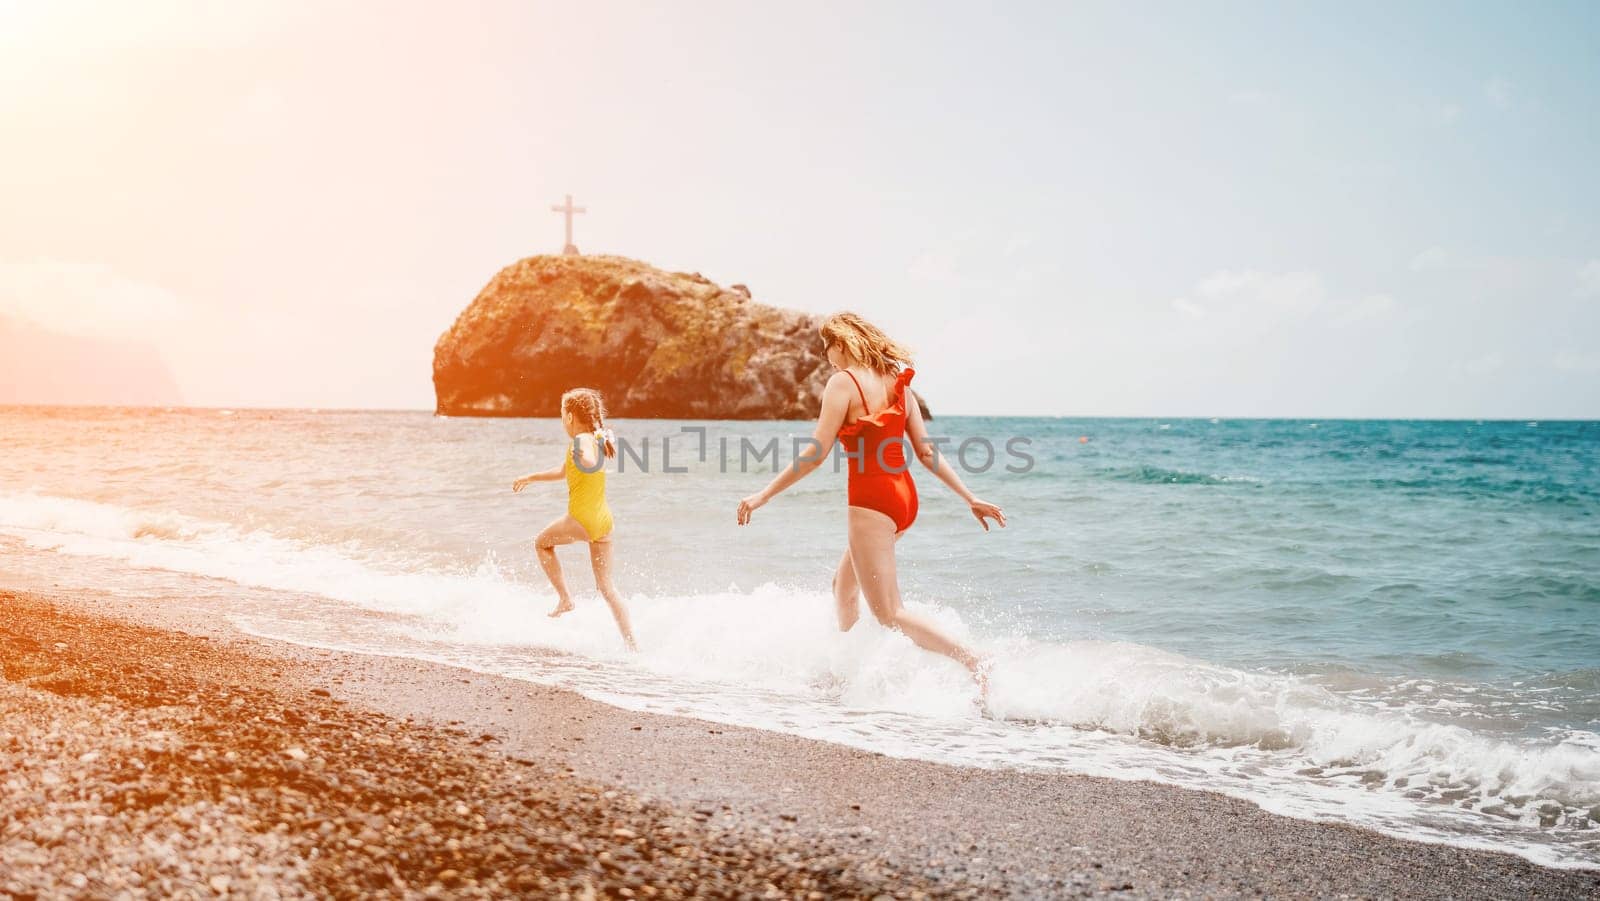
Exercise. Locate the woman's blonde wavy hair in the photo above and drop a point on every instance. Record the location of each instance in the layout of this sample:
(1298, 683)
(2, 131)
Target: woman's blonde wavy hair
(866, 343)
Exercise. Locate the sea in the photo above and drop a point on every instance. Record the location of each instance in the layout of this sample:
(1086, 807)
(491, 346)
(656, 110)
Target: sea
(1390, 624)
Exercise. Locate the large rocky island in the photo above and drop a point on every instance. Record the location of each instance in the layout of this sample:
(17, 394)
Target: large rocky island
(657, 344)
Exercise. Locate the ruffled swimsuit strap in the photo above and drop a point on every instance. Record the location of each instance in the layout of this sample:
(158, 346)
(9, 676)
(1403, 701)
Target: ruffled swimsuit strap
(863, 394)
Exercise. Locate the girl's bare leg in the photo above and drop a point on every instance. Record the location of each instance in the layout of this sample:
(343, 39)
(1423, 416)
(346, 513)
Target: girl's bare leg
(847, 592)
(565, 530)
(872, 539)
(600, 557)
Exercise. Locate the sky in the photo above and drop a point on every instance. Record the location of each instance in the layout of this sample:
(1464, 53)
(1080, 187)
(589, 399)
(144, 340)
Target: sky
(1084, 209)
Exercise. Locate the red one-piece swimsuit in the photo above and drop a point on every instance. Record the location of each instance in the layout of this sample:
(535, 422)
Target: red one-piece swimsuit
(879, 478)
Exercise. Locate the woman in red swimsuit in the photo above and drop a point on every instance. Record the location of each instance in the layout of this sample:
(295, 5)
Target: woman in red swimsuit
(867, 406)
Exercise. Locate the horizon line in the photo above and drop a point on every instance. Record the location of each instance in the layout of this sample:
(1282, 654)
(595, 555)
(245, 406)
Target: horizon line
(1199, 417)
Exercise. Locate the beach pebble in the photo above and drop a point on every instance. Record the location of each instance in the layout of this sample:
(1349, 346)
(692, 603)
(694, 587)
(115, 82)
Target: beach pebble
(297, 753)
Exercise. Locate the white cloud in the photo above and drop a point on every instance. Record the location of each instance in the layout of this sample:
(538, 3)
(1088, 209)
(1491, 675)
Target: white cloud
(1018, 243)
(1258, 294)
(88, 299)
(1434, 258)
(1372, 308)
(1498, 92)
(1250, 289)
(1189, 308)
(1589, 279)
(1445, 114)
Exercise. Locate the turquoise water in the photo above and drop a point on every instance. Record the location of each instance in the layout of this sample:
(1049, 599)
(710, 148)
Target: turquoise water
(1389, 623)
(1431, 549)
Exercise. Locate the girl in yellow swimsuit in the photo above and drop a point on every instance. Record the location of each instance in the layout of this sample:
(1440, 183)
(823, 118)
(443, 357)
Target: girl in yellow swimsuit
(587, 518)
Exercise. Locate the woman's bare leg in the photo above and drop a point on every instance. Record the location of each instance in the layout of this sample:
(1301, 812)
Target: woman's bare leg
(600, 557)
(847, 592)
(872, 539)
(565, 530)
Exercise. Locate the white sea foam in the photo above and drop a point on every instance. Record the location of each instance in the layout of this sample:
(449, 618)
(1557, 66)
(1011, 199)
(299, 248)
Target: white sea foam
(174, 542)
(773, 658)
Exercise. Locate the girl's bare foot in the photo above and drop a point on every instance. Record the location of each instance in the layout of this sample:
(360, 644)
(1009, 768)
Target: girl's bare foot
(564, 607)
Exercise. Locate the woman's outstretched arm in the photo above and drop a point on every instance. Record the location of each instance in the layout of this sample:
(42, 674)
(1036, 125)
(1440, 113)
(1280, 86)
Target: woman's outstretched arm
(835, 404)
(928, 453)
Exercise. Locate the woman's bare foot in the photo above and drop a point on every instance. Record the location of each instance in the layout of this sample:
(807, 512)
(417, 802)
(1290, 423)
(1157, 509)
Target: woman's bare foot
(980, 675)
(564, 607)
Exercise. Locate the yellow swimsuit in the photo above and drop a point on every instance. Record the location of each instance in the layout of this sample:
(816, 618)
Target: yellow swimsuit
(586, 496)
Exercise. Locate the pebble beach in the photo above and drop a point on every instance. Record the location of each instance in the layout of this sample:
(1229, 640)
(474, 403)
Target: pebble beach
(149, 756)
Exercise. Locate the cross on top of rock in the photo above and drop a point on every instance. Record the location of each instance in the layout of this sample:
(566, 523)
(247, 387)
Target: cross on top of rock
(570, 249)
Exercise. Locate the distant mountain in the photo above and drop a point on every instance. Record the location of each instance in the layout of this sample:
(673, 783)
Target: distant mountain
(38, 366)
(657, 344)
